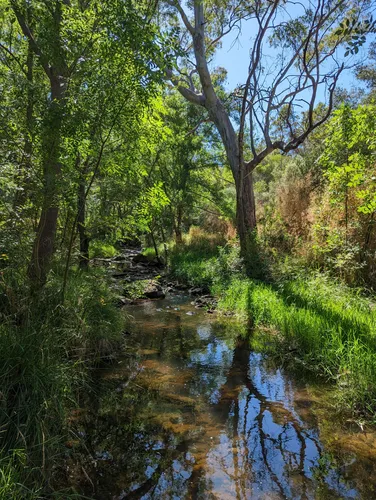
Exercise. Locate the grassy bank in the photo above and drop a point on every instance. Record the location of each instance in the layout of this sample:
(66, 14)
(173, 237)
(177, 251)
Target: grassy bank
(327, 325)
(47, 349)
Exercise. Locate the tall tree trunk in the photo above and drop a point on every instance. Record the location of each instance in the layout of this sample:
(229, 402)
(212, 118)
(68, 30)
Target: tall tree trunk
(247, 225)
(245, 197)
(43, 247)
(81, 224)
(245, 210)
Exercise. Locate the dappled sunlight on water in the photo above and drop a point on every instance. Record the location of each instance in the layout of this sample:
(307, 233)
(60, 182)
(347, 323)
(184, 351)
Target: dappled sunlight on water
(192, 412)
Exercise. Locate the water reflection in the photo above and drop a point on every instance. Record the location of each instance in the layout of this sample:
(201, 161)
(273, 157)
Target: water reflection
(206, 417)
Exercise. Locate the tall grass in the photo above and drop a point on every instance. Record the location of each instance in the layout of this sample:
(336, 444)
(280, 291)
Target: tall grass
(46, 350)
(329, 326)
(194, 261)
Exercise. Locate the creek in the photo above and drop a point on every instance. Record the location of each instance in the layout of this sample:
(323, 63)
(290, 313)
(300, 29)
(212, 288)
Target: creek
(190, 410)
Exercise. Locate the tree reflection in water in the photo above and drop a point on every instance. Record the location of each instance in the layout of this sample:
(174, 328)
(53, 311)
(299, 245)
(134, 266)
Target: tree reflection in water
(216, 420)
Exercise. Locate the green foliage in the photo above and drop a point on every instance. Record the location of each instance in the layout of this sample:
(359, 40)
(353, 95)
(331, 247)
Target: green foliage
(349, 156)
(46, 351)
(102, 249)
(136, 289)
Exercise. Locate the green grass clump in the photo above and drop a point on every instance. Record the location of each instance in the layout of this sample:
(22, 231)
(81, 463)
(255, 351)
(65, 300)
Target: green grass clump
(202, 261)
(329, 326)
(47, 348)
(99, 249)
(149, 252)
(332, 330)
(192, 265)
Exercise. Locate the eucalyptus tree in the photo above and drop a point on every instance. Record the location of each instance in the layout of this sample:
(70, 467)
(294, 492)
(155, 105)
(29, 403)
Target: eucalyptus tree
(303, 62)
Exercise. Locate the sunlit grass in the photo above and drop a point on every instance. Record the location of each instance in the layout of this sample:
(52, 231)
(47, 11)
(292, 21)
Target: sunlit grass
(329, 326)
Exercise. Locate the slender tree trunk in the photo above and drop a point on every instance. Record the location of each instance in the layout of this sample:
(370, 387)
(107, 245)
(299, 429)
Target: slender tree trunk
(177, 228)
(164, 244)
(26, 162)
(155, 245)
(81, 224)
(43, 247)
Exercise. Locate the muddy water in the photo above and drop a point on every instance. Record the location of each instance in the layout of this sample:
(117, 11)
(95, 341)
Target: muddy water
(191, 411)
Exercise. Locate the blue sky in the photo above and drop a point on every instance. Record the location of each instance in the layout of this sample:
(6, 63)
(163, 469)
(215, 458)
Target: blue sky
(234, 56)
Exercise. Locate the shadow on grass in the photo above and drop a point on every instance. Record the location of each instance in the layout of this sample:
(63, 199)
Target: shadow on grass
(347, 328)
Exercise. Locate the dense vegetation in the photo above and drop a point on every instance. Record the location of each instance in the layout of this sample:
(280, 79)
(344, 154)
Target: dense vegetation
(117, 129)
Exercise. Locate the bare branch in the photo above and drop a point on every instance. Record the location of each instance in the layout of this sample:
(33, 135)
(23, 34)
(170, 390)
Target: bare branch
(188, 93)
(183, 15)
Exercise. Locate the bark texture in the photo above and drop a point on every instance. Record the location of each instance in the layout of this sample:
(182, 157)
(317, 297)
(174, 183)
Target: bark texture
(44, 243)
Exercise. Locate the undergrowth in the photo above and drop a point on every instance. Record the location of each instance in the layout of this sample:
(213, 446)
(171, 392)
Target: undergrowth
(47, 348)
(324, 323)
(99, 249)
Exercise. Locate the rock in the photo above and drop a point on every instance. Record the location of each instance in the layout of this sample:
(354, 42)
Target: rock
(154, 291)
(155, 294)
(179, 286)
(123, 301)
(199, 290)
(155, 263)
(140, 259)
(118, 258)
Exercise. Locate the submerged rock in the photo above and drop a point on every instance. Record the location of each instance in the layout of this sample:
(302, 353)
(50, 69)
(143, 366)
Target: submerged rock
(123, 301)
(207, 301)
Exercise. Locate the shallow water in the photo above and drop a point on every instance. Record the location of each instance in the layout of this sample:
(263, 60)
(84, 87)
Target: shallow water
(191, 411)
